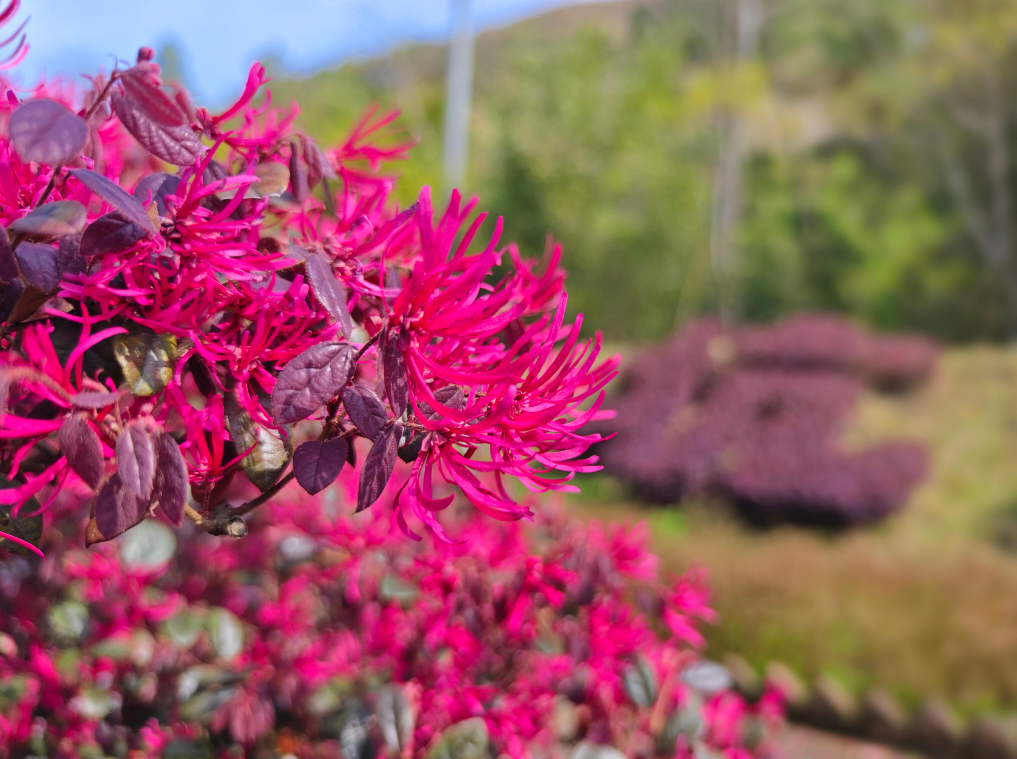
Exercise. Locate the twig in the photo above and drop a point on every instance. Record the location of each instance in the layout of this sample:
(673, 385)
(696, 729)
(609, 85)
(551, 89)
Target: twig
(102, 96)
(251, 505)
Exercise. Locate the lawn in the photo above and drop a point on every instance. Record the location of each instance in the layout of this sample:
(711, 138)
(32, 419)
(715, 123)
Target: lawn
(922, 605)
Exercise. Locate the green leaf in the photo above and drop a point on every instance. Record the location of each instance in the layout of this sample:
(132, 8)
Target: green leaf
(184, 627)
(147, 359)
(225, 633)
(270, 449)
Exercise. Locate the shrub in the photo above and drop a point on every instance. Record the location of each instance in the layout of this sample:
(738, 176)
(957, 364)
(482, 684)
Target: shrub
(753, 413)
(319, 633)
(163, 333)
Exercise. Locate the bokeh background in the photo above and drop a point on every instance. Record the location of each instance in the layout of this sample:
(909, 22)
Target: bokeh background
(740, 161)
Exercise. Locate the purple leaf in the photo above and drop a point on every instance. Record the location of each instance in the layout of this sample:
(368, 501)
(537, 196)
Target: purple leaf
(397, 386)
(171, 483)
(450, 396)
(117, 508)
(56, 219)
(330, 294)
(158, 186)
(151, 99)
(111, 233)
(365, 410)
(318, 167)
(81, 446)
(177, 145)
(298, 174)
(378, 466)
(41, 264)
(8, 266)
(94, 399)
(69, 255)
(136, 460)
(10, 294)
(116, 196)
(46, 131)
(310, 380)
(316, 464)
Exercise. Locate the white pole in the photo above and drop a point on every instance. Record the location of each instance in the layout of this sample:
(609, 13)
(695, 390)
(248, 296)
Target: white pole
(458, 91)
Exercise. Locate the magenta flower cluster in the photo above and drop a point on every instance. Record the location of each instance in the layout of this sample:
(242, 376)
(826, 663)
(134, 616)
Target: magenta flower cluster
(163, 331)
(324, 635)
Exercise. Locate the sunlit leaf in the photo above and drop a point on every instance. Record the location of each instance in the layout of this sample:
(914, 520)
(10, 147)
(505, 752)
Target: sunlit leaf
(310, 380)
(41, 264)
(46, 131)
(80, 444)
(268, 452)
(117, 508)
(116, 196)
(111, 233)
(150, 98)
(177, 145)
(273, 178)
(317, 463)
(171, 483)
(157, 186)
(378, 466)
(136, 460)
(365, 410)
(146, 359)
(56, 219)
(330, 294)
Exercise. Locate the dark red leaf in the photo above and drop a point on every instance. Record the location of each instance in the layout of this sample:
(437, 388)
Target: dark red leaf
(8, 266)
(171, 484)
(397, 384)
(80, 444)
(351, 453)
(158, 186)
(330, 294)
(310, 380)
(316, 464)
(56, 219)
(177, 145)
(94, 399)
(46, 131)
(111, 233)
(117, 508)
(136, 460)
(41, 264)
(378, 466)
(365, 410)
(298, 174)
(116, 196)
(153, 101)
(10, 294)
(318, 167)
(449, 395)
(69, 255)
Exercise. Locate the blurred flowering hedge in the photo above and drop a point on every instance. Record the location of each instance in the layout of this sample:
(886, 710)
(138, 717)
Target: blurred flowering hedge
(754, 413)
(324, 635)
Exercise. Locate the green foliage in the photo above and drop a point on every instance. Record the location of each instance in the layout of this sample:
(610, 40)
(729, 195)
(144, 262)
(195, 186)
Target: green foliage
(599, 125)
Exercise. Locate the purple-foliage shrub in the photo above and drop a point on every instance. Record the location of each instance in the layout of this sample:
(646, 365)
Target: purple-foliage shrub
(753, 413)
(162, 333)
(323, 636)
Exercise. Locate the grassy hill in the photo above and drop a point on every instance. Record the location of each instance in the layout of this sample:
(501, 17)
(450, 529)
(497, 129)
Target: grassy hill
(923, 605)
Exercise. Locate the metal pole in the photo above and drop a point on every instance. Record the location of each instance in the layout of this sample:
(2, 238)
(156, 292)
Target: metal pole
(458, 91)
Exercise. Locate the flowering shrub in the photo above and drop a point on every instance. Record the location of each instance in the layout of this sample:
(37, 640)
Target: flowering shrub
(321, 633)
(163, 332)
(753, 414)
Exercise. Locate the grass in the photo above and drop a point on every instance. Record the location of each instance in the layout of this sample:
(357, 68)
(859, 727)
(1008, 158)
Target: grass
(924, 604)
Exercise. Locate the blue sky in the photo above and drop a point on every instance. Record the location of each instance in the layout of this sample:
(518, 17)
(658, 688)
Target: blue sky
(220, 38)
